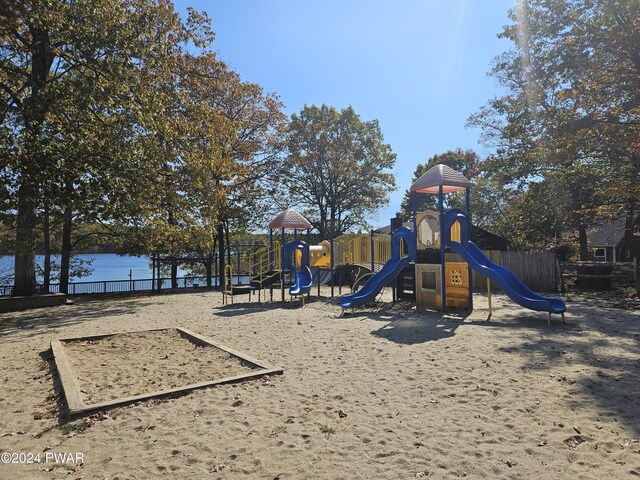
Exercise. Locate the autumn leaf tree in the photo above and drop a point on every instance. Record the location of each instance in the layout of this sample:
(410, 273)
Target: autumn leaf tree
(218, 140)
(571, 112)
(64, 64)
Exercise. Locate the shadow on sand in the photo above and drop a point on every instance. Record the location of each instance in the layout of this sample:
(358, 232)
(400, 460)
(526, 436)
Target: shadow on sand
(85, 310)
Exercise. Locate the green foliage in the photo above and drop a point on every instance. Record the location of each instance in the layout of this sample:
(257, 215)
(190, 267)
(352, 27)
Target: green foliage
(570, 117)
(109, 121)
(327, 430)
(337, 168)
(72, 99)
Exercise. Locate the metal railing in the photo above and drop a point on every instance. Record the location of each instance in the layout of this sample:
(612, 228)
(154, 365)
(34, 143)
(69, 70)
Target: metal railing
(117, 286)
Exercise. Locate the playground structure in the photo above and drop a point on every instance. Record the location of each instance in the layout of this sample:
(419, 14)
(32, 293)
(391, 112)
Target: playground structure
(437, 257)
(441, 284)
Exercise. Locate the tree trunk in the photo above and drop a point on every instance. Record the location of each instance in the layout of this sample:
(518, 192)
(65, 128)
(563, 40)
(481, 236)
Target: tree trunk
(174, 274)
(34, 112)
(228, 243)
(323, 227)
(625, 254)
(332, 220)
(65, 253)
(208, 266)
(25, 250)
(221, 249)
(583, 243)
(47, 249)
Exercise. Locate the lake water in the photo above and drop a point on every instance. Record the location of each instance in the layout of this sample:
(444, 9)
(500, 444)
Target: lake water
(106, 266)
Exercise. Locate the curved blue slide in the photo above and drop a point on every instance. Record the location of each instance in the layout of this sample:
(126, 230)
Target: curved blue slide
(303, 281)
(389, 271)
(503, 277)
(303, 277)
(375, 283)
(506, 280)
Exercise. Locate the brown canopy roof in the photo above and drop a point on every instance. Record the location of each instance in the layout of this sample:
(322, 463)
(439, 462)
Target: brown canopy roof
(431, 180)
(289, 219)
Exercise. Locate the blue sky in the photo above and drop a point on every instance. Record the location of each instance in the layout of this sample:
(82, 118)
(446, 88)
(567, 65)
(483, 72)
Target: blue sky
(419, 67)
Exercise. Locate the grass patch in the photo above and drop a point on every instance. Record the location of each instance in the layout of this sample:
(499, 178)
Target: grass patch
(8, 324)
(75, 427)
(327, 430)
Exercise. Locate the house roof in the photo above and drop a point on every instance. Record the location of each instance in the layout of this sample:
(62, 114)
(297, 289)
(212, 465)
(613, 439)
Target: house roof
(440, 175)
(289, 220)
(608, 233)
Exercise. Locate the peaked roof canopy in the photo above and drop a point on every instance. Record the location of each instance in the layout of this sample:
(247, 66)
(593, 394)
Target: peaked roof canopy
(431, 180)
(289, 219)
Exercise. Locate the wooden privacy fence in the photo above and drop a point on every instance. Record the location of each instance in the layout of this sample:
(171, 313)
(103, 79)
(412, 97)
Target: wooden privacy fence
(537, 270)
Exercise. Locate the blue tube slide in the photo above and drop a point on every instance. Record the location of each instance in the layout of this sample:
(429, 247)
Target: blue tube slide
(303, 281)
(303, 277)
(389, 271)
(503, 277)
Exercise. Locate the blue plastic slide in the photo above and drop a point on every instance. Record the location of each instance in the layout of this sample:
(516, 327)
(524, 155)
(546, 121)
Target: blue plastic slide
(303, 282)
(506, 280)
(389, 271)
(375, 283)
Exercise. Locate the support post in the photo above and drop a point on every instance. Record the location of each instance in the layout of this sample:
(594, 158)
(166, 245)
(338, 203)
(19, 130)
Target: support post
(489, 297)
(373, 269)
(215, 271)
(270, 263)
(308, 264)
(467, 196)
(238, 255)
(153, 272)
(282, 267)
(332, 263)
(414, 207)
(442, 227)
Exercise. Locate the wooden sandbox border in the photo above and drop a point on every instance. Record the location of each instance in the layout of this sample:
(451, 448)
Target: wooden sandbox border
(71, 387)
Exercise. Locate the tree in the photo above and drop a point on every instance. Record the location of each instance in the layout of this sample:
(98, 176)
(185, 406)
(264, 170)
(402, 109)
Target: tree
(218, 141)
(571, 111)
(48, 50)
(337, 168)
(466, 162)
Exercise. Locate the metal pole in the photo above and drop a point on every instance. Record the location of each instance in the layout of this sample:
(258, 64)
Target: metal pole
(309, 265)
(238, 254)
(215, 270)
(153, 272)
(489, 297)
(467, 194)
(372, 253)
(331, 263)
(270, 264)
(442, 228)
(282, 267)
(414, 205)
(394, 284)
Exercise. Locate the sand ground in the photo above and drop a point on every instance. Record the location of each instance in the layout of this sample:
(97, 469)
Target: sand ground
(385, 394)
